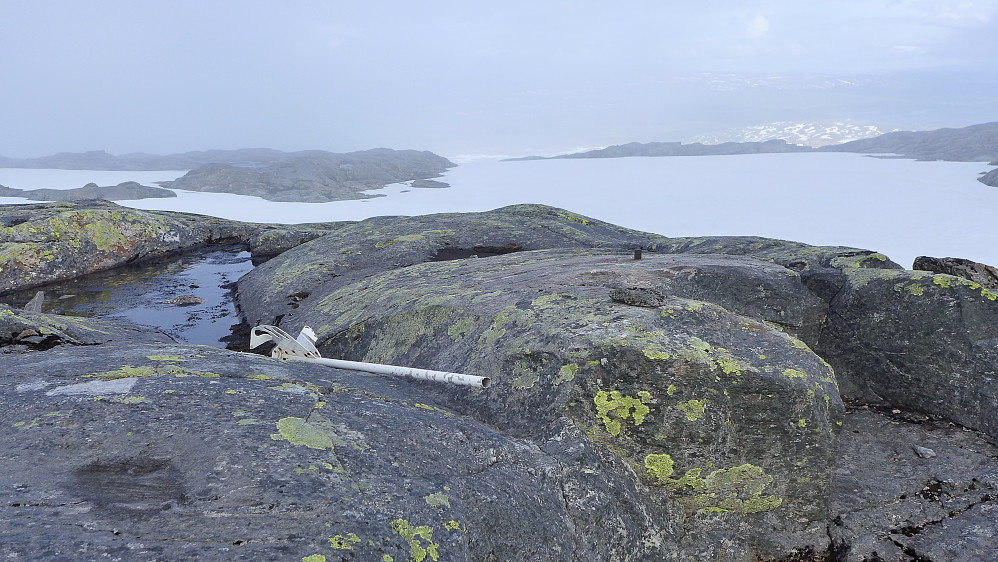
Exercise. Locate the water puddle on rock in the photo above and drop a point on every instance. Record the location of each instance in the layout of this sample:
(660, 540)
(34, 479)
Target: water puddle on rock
(189, 297)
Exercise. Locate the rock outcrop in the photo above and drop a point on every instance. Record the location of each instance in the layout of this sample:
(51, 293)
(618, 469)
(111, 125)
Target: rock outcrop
(990, 178)
(982, 274)
(722, 398)
(42, 243)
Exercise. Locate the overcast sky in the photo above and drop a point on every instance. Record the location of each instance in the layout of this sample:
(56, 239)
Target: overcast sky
(460, 77)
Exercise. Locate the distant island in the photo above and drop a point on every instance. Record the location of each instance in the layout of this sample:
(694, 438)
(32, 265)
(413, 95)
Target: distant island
(313, 176)
(976, 143)
(122, 192)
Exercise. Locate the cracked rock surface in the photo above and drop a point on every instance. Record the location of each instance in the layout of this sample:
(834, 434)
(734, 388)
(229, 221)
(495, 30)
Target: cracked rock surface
(889, 503)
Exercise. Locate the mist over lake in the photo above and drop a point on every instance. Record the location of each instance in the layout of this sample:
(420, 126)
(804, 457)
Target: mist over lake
(900, 207)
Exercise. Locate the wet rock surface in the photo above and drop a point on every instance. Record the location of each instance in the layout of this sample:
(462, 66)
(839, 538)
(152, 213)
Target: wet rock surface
(682, 406)
(147, 294)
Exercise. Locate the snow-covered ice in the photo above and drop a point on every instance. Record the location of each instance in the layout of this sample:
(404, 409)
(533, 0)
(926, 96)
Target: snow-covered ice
(900, 207)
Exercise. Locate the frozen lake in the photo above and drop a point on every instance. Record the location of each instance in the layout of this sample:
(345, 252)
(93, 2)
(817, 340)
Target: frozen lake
(899, 207)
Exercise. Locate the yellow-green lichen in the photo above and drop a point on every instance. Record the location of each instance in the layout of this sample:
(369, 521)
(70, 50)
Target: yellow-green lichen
(671, 390)
(574, 217)
(621, 407)
(656, 352)
(452, 525)
(339, 542)
(165, 358)
(660, 466)
(415, 537)
(802, 422)
(794, 374)
(738, 489)
(314, 558)
(299, 432)
(694, 409)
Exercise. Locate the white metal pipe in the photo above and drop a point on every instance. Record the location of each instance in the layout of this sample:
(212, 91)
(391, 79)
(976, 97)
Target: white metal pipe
(377, 368)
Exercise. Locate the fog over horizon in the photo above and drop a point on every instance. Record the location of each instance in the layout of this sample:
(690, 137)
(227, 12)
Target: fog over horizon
(462, 79)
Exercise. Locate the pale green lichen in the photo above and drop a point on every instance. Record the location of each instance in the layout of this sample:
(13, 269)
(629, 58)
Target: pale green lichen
(314, 558)
(437, 499)
(567, 373)
(414, 536)
(339, 542)
(299, 432)
(622, 408)
(165, 358)
(656, 352)
(127, 372)
(405, 238)
(461, 328)
(694, 409)
(524, 376)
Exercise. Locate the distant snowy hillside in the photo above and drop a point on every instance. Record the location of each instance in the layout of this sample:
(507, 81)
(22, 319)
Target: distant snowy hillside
(806, 134)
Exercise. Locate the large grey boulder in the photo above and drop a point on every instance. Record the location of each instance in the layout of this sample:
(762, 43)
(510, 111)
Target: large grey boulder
(684, 368)
(918, 341)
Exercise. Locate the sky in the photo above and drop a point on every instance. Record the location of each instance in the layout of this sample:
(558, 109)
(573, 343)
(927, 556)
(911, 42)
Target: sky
(464, 79)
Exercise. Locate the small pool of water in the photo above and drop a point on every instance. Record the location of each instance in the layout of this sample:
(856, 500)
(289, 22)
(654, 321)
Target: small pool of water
(140, 294)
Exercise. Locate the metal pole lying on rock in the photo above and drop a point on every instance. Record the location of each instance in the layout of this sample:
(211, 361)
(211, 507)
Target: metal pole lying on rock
(303, 348)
